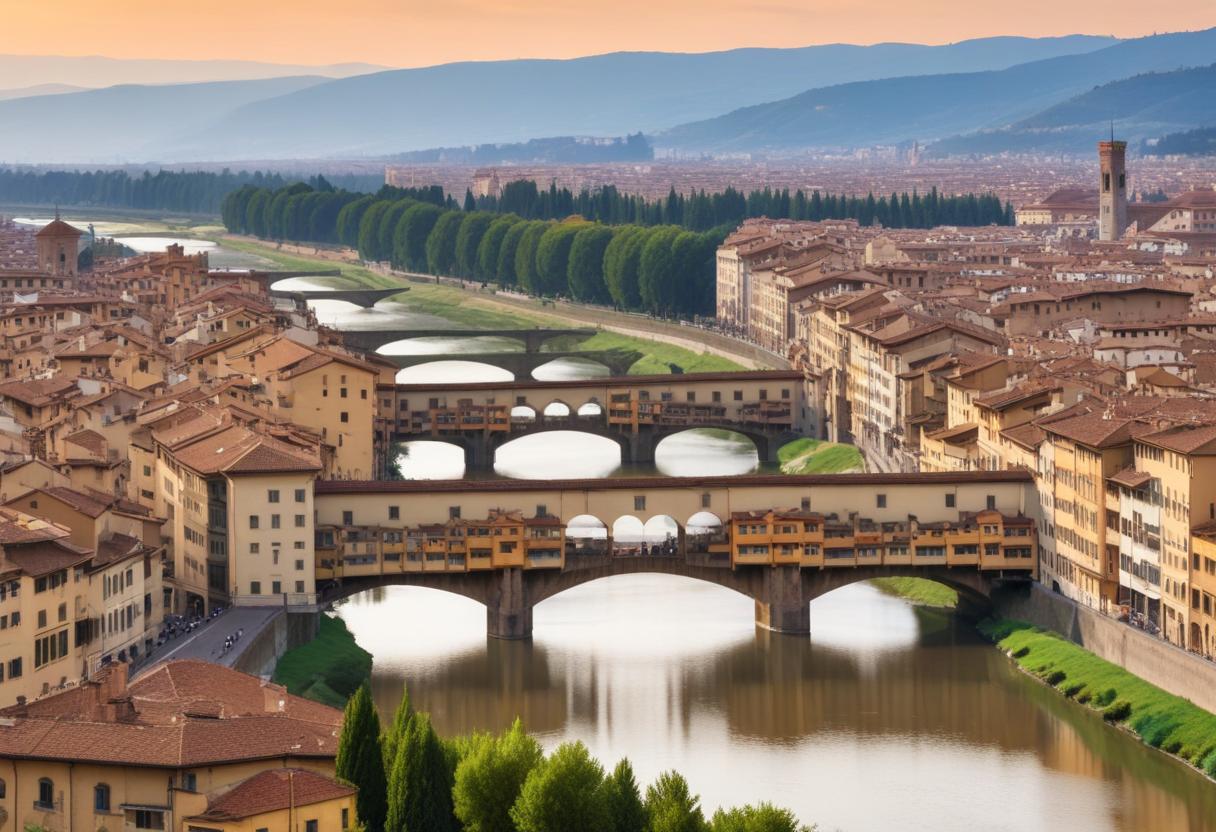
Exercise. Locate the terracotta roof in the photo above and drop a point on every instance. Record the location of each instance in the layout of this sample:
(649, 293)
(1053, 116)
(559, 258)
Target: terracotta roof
(43, 557)
(273, 791)
(1097, 430)
(1185, 439)
(179, 714)
(59, 228)
(1130, 477)
(115, 549)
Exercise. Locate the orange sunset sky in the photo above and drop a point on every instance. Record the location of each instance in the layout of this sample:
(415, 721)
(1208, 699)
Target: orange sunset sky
(421, 32)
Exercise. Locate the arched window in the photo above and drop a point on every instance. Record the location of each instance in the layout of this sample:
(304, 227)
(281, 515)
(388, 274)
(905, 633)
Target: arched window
(46, 793)
(101, 798)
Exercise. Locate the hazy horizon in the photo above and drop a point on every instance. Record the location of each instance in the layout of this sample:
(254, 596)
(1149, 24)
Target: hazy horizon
(413, 34)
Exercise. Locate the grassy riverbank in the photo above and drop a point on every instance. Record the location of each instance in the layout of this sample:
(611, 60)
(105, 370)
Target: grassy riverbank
(919, 591)
(1160, 719)
(813, 456)
(477, 310)
(327, 669)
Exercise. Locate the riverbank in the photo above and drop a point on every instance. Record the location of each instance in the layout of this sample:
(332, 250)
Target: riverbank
(1159, 719)
(328, 669)
(814, 456)
(481, 309)
(919, 591)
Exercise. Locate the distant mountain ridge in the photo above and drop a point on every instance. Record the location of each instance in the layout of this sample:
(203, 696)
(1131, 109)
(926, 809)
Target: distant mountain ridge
(500, 101)
(1143, 106)
(930, 107)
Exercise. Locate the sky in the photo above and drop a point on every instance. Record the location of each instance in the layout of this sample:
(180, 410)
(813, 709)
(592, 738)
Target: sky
(425, 32)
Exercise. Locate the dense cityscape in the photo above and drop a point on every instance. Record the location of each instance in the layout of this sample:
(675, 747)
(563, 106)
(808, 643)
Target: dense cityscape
(678, 479)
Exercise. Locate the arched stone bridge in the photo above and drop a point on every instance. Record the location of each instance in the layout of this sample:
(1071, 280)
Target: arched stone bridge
(933, 526)
(370, 340)
(523, 364)
(636, 412)
(782, 594)
(367, 298)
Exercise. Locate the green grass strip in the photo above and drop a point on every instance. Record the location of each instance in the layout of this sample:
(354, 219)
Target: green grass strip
(327, 669)
(1160, 719)
(920, 591)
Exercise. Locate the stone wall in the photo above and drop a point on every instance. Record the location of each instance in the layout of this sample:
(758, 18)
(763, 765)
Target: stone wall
(1157, 662)
(283, 632)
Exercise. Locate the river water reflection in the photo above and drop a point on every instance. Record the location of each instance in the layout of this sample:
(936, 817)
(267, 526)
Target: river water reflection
(886, 718)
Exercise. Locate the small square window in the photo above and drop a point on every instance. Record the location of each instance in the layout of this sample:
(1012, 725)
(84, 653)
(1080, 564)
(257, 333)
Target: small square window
(272, 496)
(950, 500)
(880, 500)
(639, 503)
(394, 512)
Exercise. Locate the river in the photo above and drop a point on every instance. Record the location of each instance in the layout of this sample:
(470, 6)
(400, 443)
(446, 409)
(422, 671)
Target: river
(888, 717)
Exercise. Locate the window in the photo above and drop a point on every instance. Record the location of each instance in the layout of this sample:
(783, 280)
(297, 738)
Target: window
(949, 501)
(46, 794)
(41, 619)
(717, 396)
(101, 798)
(300, 495)
(991, 502)
(348, 518)
(4, 794)
(190, 781)
(346, 818)
(880, 500)
(310, 826)
(63, 612)
(299, 544)
(274, 521)
(394, 512)
(147, 819)
(299, 566)
(299, 521)
(806, 503)
(14, 668)
(639, 503)
(255, 587)
(253, 521)
(272, 495)
(705, 499)
(300, 587)
(454, 512)
(738, 395)
(276, 587)
(343, 416)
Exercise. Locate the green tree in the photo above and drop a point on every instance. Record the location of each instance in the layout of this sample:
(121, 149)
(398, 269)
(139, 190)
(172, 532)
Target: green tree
(656, 271)
(625, 810)
(409, 240)
(505, 268)
(562, 793)
(369, 229)
(525, 256)
(387, 229)
(671, 806)
(255, 213)
(360, 761)
(396, 730)
(763, 817)
(585, 271)
(621, 266)
(420, 783)
(472, 229)
(349, 219)
(490, 245)
(553, 256)
(441, 244)
(489, 779)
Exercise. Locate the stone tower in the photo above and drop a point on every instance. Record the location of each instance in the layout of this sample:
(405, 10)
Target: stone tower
(58, 247)
(1112, 200)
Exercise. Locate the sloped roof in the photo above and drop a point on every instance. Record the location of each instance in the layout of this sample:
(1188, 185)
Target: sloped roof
(273, 791)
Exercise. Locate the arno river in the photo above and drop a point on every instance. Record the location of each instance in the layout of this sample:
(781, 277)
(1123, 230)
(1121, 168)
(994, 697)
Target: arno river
(887, 717)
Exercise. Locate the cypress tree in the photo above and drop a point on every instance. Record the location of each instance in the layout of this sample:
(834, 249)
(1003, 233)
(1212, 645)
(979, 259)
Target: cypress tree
(625, 810)
(360, 761)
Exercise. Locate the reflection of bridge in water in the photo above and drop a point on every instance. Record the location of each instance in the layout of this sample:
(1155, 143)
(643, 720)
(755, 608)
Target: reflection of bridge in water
(636, 412)
(781, 541)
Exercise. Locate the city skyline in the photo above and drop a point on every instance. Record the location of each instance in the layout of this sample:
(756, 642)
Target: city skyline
(417, 34)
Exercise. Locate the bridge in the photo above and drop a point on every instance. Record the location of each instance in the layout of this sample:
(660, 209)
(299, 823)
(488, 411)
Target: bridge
(780, 540)
(637, 412)
(523, 364)
(370, 340)
(367, 298)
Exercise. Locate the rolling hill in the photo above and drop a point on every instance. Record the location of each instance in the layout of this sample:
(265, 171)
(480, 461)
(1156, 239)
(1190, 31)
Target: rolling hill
(934, 106)
(1140, 107)
(96, 72)
(499, 101)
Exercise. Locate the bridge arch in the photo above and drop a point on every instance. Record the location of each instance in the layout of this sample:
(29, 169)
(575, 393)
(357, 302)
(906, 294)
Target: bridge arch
(565, 367)
(496, 442)
(558, 408)
(764, 444)
(441, 370)
(591, 407)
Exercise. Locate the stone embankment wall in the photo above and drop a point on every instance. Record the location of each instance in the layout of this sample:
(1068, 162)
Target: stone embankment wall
(283, 632)
(1157, 662)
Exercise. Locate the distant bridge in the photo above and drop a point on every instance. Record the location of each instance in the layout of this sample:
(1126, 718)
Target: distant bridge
(367, 298)
(370, 340)
(523, 364)
(508, 544)
(636, 412)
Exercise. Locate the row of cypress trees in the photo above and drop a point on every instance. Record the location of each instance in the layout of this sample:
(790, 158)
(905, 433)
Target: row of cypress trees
(410, 780)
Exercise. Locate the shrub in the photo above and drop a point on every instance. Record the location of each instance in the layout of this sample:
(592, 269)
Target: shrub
(1105, 697)
(1055, 677)
(1118, 712)
(1073, 689)
(1021, 652)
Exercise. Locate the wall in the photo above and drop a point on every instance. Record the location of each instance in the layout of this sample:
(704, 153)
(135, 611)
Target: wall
(280, 634)
(1152, 659)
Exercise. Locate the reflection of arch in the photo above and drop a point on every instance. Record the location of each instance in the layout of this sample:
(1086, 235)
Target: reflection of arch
(439, 370)
(766, 444)
(523, 413)
(557, 408)
(591, 408)
(571, 366)
(496, 442)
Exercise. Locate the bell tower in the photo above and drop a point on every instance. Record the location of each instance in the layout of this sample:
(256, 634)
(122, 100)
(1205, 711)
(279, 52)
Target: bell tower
(1112, 198)
(58, 247)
